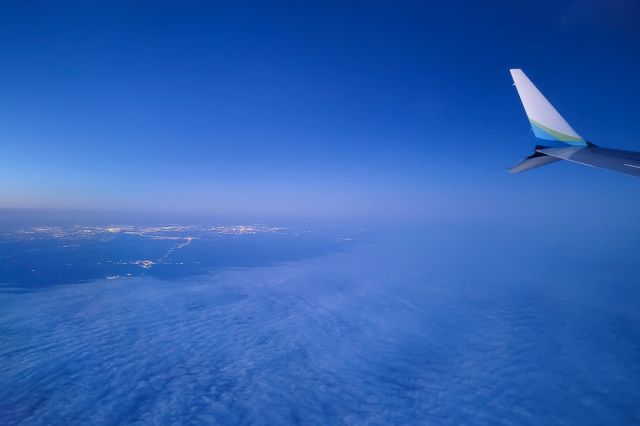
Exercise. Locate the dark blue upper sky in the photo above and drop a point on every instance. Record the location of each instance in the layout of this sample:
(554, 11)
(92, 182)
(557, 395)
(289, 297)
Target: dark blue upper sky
(345, 108)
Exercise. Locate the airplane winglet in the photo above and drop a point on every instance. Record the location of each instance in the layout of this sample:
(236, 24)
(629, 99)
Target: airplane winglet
(546, 121)
(535, 160)
(548, 124)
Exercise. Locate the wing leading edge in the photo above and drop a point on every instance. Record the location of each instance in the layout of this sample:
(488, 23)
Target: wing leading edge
(547, 124)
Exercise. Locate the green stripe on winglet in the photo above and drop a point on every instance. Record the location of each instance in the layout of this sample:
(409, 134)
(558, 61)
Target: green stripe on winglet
(560, 136)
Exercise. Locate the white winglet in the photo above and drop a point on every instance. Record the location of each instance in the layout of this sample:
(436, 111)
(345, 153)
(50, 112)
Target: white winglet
(546, 121)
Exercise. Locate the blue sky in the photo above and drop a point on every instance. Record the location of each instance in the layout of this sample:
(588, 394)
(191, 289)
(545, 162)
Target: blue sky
(339, 109)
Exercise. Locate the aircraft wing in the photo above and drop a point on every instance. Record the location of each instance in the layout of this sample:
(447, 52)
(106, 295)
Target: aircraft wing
(626, 162)
(548, 125)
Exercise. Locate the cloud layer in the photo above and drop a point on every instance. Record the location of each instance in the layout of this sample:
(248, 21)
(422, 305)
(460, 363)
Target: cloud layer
(382, 334)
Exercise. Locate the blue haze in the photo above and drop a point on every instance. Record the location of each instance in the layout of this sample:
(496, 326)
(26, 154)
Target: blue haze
(399, 274)
(434, 324)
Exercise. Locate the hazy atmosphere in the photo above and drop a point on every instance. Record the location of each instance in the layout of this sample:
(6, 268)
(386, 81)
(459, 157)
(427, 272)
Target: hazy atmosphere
(293, 213)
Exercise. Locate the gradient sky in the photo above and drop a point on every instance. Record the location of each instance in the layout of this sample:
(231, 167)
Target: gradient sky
(338, 108)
